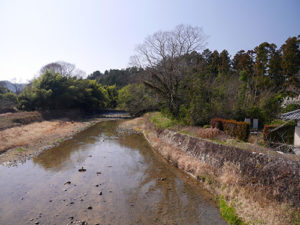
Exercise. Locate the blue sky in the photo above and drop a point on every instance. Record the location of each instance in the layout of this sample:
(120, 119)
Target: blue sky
(99, 35)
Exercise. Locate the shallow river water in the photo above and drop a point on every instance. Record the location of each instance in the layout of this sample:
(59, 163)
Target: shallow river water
(125, 182)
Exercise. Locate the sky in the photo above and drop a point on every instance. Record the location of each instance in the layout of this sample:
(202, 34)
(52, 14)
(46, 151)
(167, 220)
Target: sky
(103, 34)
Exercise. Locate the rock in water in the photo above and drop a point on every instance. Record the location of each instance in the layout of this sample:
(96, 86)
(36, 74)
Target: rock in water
(82, 169)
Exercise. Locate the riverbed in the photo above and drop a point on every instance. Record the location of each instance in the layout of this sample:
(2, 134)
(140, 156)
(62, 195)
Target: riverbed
(122, 181)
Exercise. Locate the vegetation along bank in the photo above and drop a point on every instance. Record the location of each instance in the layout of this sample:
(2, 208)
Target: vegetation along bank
(251, 186)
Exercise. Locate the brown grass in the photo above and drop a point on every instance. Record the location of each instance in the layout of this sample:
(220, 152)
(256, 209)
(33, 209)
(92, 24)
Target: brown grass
(207, 133)
(32, 137)
(27, 134)
(8, 120)
(251, 205)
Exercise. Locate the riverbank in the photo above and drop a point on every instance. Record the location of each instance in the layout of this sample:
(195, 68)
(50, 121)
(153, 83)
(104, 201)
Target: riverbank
(27, 134)
(261, 188)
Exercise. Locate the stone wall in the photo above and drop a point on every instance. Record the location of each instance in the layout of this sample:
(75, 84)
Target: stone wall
(278, 177)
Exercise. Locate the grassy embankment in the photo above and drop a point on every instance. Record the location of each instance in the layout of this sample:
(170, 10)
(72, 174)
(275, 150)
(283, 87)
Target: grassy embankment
(238, 199)
(162, 122)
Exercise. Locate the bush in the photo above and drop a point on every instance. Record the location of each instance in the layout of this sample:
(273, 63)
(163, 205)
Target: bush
(160, 121)
(233, 128)
(217, 123)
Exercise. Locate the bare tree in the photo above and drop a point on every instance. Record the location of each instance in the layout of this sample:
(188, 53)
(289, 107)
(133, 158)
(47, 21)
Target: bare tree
(63, 68)
(18, 87)
(164, 56)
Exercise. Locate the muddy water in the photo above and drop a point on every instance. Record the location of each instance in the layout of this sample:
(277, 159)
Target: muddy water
(135, 185)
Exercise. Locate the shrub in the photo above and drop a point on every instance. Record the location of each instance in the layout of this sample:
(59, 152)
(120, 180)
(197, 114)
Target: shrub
(160, 121)
(233, 128)
(217, 123)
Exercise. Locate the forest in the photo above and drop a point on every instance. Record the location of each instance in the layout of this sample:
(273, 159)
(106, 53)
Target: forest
(174, 73)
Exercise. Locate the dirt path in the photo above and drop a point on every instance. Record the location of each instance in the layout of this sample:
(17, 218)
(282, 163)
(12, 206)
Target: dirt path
(19, 143)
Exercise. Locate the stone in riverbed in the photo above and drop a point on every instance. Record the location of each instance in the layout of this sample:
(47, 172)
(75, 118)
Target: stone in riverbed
(82, 169)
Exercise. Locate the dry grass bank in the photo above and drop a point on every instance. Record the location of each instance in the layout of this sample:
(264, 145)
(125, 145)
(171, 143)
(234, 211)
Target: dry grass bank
(17, 143)
(8, 120)
(253, 197)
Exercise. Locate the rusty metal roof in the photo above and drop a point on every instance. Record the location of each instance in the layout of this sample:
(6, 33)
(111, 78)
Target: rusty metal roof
(293, 115)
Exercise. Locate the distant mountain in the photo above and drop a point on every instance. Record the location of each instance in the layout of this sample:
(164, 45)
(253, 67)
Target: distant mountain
(13, 87)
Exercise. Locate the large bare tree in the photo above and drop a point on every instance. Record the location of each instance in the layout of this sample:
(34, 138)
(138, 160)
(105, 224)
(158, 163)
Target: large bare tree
(63, 68)
(164, 55)
(17, 86)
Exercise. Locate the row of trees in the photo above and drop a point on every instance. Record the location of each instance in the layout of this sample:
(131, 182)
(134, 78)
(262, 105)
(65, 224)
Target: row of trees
(117, 77)
(195, 87)
(172, 72)
(55, 91)
(61, 86)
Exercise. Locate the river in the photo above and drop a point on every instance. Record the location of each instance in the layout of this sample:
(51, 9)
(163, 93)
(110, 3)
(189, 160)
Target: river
(125, 183)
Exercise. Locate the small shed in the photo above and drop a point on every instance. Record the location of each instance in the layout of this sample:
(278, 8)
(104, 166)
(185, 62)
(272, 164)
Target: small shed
(294, 115)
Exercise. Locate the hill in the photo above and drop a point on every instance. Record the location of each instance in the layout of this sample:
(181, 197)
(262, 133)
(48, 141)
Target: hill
(14, 87)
